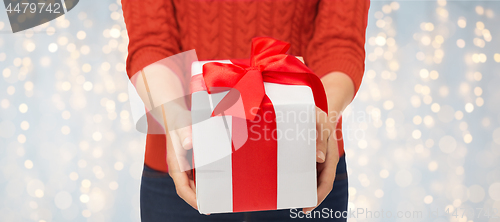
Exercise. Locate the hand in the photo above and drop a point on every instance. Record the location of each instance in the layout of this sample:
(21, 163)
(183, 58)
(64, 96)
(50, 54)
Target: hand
(339, 91)
(327, 155)
(179, 142)
(156, 85)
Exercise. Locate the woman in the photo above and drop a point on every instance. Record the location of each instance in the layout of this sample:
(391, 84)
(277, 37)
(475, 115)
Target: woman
(329, 34)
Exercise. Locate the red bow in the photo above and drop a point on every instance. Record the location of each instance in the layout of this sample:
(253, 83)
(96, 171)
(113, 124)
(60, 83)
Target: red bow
(268, 63)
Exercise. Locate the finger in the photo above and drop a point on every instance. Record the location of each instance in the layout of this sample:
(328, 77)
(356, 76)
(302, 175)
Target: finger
(326, 177)
(324, 130)
(320, 151)
(333, 152)
(176, 160)
(189, 173)
(183, 185)
(192, 184)
(323, 190)
(185, 189)
(179, 120)
(319, 168)
(321, 142)
(175, 151)
(185, 137)
(325, 186)
(308, 209)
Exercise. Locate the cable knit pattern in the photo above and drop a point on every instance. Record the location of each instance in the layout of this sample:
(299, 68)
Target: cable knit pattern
(295, 27)
(339, 38)
(227, 27)
(306, 24)
(265, 22)
(244, 27)
(329, 34)
(283, 18)
(158, 23)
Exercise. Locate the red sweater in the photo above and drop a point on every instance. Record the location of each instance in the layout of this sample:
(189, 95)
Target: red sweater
(329, 34)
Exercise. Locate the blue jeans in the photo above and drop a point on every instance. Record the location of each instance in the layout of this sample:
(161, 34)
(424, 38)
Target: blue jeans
(160, 202)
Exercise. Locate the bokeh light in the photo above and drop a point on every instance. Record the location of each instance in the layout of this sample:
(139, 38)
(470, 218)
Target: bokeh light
(440, 146)
(427, 111)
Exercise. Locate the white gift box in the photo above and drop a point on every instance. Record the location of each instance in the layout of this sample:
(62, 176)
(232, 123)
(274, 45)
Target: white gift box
(214, 146)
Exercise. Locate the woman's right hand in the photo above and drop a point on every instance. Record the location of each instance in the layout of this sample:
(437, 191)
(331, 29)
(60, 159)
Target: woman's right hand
(179, 143)
(163, 94)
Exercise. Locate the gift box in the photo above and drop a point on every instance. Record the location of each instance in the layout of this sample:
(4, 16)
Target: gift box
(254, 131)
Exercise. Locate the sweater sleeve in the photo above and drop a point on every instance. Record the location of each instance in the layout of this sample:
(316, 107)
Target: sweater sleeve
(339, 38)
(152, 30)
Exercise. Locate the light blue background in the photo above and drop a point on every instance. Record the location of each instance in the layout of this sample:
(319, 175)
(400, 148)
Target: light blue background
(394, 163)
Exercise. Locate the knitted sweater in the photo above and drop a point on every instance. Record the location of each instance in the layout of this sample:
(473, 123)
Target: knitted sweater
(329, 34)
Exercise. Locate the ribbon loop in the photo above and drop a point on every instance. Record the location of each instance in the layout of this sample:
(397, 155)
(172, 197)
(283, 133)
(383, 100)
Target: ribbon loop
(268, 63)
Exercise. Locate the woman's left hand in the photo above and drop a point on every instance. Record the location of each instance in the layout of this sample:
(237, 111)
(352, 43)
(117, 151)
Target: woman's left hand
(339, 91)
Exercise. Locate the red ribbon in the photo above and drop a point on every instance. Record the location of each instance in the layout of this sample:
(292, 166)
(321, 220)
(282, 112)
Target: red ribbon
(255, 162)
(268, 63)
(254, 165)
